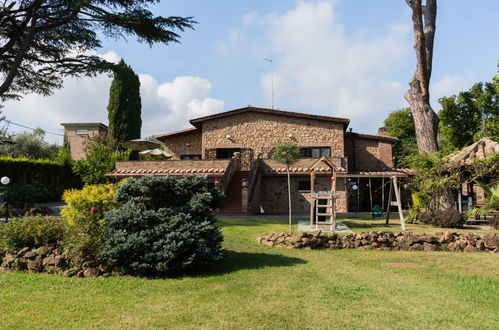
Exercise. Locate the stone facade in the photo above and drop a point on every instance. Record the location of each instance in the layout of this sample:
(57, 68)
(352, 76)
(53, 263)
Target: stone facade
(79, 136)
(188, 143)
(260, 132)
(275, 194)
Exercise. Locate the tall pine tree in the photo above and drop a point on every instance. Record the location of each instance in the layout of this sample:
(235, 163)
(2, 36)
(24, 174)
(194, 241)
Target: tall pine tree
(124, 107)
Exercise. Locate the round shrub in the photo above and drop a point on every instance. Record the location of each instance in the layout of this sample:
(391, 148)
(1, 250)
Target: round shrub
(449, 218)
(164, 227)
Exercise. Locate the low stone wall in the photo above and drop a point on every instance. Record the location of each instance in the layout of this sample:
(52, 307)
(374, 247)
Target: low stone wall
(52, 260)
(448, 241)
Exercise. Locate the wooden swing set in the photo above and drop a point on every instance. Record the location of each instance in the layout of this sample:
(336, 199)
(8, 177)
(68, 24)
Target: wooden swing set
(323, 203)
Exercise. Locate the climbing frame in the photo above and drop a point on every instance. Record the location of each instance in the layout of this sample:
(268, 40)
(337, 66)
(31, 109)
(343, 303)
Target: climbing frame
(323, 203)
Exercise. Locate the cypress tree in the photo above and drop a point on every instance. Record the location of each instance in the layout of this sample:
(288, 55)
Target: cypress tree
(124, 108)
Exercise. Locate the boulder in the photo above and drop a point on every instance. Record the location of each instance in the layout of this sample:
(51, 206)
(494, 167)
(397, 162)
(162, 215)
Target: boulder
(416, 247)
(316, 233)
(413, 239)
(470, 248)
(490, 241)
(59, 261)
(35, 265)
(49, 260)
(45, 250)
(454, 247)
(22, 251)
(430, 247)
(30, 255)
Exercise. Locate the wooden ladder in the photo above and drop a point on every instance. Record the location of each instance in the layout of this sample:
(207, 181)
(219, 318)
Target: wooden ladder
(330, 211)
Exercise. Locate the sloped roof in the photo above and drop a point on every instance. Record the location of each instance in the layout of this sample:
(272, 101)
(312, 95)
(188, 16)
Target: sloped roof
(170, 167)
(199, 120)
(481, 149)
(176, 133)
(303, 165)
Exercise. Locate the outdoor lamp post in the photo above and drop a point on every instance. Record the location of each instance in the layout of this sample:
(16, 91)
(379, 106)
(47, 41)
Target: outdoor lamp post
(5, 181)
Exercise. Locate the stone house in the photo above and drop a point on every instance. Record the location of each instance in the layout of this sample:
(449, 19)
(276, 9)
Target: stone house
(253, 182)
(80, 135)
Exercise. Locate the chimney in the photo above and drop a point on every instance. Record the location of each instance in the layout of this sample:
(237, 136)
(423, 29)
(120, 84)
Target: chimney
(383, 132)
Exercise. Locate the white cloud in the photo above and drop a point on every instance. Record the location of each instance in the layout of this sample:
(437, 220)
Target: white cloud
(165, 106)
(111, 56)
(320, 67)
(450, 85)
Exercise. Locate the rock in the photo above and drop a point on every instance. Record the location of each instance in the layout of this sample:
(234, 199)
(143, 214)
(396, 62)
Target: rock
(447, 237)
(470, 236)
(80, 274)
(259, 239)
(400, 239)
(480, 245)
(89, 264)
(68, 273)
(383, 239)
(35, 265)
(30, 255)
(429, 239)
(413, 239)
(50, 260)
(45, 250)
(316, 233)
(281, 239)
(416, 247)
(454, 247)
(268, 243)
(470, 248)
(58, 251)
(21, 252)
(430, 247)
(490, 241)
(291, 247)
(90, 272)
(461, 243)
(301, 234)
(59, 261)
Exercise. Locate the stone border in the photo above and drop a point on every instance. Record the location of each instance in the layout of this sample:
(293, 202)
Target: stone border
(52, 260)
(407, 241)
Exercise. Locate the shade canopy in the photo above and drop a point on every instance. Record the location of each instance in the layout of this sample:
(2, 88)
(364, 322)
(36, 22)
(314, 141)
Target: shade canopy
(156, 153)
(141, 144)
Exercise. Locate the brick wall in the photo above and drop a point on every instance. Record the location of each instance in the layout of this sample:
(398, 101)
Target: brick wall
(261, 132)
(275, 194)
(368, 153)
(183, 144)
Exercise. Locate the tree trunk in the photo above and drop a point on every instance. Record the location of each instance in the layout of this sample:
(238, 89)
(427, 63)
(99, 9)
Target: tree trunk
(418, 95)
(289, 202)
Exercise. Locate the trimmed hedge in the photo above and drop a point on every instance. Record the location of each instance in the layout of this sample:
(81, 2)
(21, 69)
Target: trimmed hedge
(37, 180)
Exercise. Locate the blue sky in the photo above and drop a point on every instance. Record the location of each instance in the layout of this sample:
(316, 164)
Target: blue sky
(346, 58)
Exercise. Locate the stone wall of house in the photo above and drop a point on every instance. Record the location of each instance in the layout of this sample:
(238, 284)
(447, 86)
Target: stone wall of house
(275, 194)
(80, 137)
(261, 132)
(368, 154)
(183, 144)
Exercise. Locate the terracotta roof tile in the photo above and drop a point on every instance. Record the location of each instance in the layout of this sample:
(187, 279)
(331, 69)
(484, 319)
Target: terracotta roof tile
(481, 149)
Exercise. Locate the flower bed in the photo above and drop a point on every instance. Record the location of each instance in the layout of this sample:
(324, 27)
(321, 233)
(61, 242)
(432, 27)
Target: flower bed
(448, 241)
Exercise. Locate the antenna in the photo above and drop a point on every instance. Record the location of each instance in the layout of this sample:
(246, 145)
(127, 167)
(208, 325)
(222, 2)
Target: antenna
(272, 75)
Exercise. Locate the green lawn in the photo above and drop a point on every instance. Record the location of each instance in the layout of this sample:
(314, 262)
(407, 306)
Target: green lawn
(263, 287)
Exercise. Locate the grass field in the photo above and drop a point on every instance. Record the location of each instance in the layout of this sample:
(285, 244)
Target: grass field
(267, 288)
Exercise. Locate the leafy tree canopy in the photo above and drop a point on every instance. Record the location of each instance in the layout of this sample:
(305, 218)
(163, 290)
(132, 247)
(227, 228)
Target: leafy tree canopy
(400, 124)
(470, 115)
(124, 109)
(42, 41)
(30, 145)
(286, 153)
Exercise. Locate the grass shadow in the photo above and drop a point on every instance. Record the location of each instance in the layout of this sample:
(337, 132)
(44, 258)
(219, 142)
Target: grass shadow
(253, 222)
(235, 261)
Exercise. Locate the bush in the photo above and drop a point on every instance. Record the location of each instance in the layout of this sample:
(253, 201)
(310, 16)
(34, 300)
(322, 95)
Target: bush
(449, 218)
(37, 180)
(31, 232)
(164, 227)
(85, 217)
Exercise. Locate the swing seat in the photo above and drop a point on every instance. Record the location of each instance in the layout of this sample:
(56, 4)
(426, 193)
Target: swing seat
(377, 212)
